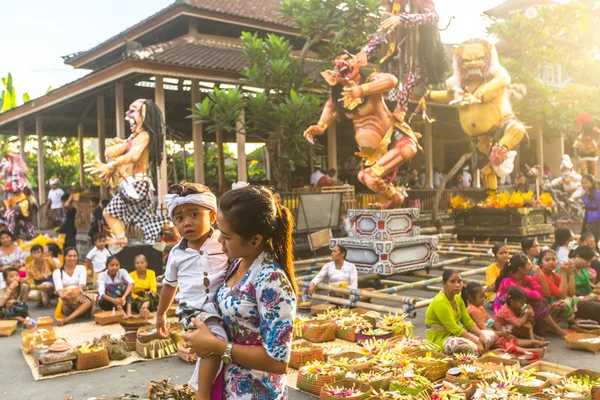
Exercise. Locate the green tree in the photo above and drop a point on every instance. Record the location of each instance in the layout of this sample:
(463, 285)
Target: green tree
(560, 34)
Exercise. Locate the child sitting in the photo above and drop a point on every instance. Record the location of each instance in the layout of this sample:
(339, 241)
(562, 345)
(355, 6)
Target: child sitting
(39, 274)
(473, 294)
(515, 315)
(198, 266)
(13, 297)
(114, 288)
(96, 258)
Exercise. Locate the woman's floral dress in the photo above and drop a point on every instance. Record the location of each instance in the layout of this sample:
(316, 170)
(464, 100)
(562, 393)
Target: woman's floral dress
(259, 310)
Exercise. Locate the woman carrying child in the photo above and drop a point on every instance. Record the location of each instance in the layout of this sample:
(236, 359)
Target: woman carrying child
(473, 295)
(258, 298)
(114, 288)
(517, 274)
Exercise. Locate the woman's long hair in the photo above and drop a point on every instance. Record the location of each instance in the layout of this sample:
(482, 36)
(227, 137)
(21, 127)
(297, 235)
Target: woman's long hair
(155, 126)
(561, 235)
(592, 190)
(516, 262)
(253, 210)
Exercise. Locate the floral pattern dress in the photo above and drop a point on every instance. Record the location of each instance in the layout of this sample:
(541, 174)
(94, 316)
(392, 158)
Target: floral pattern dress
(259, 310)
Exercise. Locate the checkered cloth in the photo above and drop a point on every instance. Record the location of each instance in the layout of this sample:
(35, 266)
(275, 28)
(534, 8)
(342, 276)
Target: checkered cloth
(15, 182)
(138, 211)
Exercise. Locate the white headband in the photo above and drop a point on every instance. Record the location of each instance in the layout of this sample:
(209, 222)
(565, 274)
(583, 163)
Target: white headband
(206, 199)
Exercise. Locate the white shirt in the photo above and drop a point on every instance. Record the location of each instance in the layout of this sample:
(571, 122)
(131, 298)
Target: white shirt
(316, 177)
(437, 179)
(105, 279)
(562, 254)
(65, 282)
(54, 195)
(467, 179)
(2, 284)
(98, 258)
(190, 268)
(347, 274)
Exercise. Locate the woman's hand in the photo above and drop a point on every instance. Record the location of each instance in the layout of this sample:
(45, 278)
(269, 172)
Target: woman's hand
(82, 287)
(311, 289)
(483, 340)
(201, 339)
(536, 269)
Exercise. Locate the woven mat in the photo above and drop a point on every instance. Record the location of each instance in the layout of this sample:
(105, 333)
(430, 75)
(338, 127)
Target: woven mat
(292, 374)
(79, 333)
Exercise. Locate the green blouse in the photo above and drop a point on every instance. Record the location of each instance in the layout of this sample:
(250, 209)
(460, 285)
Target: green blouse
(583, 285)
(442, 321)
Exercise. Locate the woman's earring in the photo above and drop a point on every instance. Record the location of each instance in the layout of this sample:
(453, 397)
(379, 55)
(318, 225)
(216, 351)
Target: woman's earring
(254, 243)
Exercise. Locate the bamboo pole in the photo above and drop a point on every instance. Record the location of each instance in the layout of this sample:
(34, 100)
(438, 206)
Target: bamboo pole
(427, 282)
(374, 307)
(301, 263)
(370, 294)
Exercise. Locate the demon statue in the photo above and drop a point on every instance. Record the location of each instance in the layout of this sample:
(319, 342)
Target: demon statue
(385, 142)
(567, 191)
(127, 173)
(479, 89)
(19, 203)
(586, 146)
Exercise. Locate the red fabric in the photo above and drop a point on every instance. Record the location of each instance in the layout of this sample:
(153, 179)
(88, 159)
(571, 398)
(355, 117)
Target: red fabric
(478, 315)
(553, 283)
(505, 316)
(324, 181)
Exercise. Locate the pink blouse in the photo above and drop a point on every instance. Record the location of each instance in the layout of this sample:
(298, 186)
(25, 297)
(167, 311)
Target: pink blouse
(531, 288)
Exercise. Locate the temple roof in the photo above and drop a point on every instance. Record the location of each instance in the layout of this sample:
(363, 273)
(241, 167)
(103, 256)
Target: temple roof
(508, 7)
(263, 10)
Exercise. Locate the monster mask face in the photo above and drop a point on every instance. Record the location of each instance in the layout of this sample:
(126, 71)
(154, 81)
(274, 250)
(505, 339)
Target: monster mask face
(136, 115)
(346, 68)
(474, 60)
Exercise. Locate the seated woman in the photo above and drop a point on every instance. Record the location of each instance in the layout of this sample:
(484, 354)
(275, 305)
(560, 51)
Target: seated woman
(13, 298)
(145, 291)
(11, 255)
(562, 288)
(588, 239)
(562, 239)
(500, 252)
(515, 316)
(517, 273)
(53, 251)
(473, 295)
(337, 271)
(588, 306)
(39, 274)
(69, 282)
(445, 315)
(114, 288)
(531, 248)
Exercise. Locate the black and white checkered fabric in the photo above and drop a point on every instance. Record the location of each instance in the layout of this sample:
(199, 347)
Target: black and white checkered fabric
(138, 211)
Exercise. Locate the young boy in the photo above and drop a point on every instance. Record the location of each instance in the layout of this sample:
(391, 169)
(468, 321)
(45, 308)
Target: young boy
(68, 222)
(39, 274)
(96, 222)
(95, 260)
(198, 266)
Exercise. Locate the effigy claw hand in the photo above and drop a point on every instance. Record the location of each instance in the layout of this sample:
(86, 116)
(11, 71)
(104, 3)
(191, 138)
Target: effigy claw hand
(498, 155)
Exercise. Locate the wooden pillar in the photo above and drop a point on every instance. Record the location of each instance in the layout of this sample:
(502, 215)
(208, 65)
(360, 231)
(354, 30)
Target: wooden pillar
(332, 147)
(428, 142)
(101, 127)
(22, 139)
(197, 136)
(39, 131)
(267, 164)
(162, 179)
(540, 148)
(240, 138)
(81, 154)
(220, 163)
(120, 110)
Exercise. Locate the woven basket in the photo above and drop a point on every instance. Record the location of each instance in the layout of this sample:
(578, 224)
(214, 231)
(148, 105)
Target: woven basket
(595, 394)
(379, 384)
(133, 324)
(44, 322)
(529, 390)
(321, 308)
(456, 363)
(361, 313)
(365, 389)
(351, 364)
(56, 368)
(157, 348)
(171, 311)
(361, 337)
(8, 327)
(455, 380)
(348, 334)
(186, 354)
(32, 337)
(543, 366)
(319, 331)
(176, 332)
(467, 389)
(397, 387)
(147, 333)
(573, 342)
(91, 360)
(432, 370)
(314, 383)
(108, 317)
(301, 358)
(129, 338)
(482, 362)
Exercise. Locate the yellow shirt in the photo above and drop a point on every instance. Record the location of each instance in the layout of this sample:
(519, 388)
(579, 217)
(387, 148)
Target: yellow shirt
(143, 285)
(491, 273)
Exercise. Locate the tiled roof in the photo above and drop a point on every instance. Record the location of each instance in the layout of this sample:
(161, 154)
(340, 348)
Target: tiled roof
(197, 53)
(503, 10)
(262, 10)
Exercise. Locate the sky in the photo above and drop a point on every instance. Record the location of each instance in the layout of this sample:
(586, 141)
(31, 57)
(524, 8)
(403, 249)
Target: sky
(36, 33)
